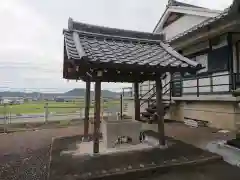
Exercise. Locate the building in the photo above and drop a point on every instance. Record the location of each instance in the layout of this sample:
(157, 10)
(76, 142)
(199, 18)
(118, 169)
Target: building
(68, 98)
(11, 100)
(211, 38)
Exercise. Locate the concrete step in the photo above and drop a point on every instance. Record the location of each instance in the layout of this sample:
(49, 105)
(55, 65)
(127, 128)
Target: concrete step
(146, 120)
(154, 105)
(151, 110)
(146, 114)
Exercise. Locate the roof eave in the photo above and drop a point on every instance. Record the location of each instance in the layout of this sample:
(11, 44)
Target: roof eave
(180, 9)
(231, 11)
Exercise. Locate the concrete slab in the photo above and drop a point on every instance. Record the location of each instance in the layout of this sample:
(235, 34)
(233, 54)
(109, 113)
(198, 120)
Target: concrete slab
(86, 148)
(131, 164)
(230, 154)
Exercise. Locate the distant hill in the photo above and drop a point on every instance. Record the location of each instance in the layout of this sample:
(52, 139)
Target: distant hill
(22, 94)
(81, 92)
(74, 92)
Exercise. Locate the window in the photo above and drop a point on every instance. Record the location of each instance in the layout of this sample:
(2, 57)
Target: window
(218, 59)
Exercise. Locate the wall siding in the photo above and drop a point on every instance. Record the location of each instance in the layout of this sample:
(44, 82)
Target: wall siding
(182, 24)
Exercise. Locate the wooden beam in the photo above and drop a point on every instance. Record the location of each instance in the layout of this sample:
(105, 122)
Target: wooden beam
(97, 111)
(87, 108)
(137, 101)
(160, 112)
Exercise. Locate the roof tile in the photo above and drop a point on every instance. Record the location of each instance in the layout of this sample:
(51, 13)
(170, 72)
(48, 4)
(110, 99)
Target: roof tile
(122, 47)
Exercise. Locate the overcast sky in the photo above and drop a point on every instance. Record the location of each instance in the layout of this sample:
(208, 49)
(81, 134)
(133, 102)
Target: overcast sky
(31, 40)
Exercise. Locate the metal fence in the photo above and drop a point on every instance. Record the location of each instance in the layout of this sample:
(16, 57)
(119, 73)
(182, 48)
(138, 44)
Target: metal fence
(49, 112)
(210, 84)
(35, 112)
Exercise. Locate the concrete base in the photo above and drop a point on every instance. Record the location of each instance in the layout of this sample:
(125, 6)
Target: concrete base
(112, 130)
(85, 148)
(137, 164)
(230, 154)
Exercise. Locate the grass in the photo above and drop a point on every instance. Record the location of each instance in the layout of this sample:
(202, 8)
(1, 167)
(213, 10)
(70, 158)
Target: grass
(58, 107)
(38, 107)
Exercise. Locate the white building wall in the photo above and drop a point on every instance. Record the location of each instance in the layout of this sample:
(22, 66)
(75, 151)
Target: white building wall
(148, 85)
(165, 83)
(182, 24)
(219, 84)
(219, 81)
(144, 88)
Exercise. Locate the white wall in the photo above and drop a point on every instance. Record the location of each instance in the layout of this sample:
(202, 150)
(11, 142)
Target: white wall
(166, 81)
(148, 85)
(182, 24)
(221, 80)
(143, 88)
(217, 82)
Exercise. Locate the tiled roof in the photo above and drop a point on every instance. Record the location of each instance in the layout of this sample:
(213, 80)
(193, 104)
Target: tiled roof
(135, 49)
(207, 22)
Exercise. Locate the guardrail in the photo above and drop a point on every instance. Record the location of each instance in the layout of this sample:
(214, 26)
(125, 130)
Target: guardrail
(197, 85)
(209, 84)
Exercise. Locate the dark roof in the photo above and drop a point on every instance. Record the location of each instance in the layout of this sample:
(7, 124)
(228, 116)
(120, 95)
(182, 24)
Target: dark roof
(177, 3)
(95, 47)
(233, 8)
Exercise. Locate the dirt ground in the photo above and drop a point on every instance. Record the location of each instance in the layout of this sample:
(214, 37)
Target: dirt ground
(24, 155)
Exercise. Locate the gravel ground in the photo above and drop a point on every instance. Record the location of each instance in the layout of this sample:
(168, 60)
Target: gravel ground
(31, 165)
(25, 155)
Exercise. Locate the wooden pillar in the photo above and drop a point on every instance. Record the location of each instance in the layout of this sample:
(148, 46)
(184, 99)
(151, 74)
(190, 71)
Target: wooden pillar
(97, 112)
(121, 106)
(238, 63)
(230, 62)
(87, 108)
(137, 101)
(160, 112)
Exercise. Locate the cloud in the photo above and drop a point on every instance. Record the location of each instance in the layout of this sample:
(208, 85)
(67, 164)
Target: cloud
(31, 45)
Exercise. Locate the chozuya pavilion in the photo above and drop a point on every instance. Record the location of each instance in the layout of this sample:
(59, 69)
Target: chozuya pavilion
(100, 54)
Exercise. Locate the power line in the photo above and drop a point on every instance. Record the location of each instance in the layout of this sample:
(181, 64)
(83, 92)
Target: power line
(49, 89)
